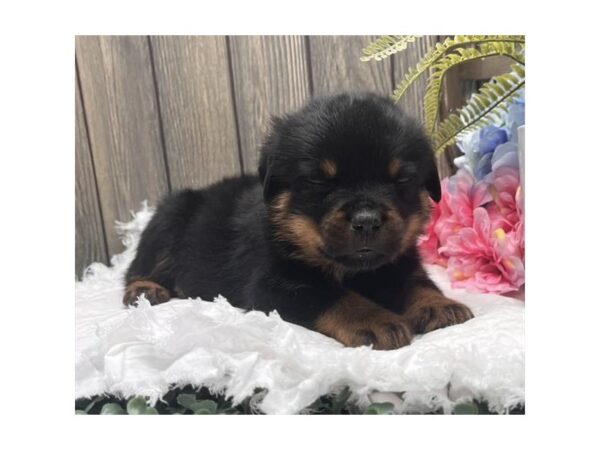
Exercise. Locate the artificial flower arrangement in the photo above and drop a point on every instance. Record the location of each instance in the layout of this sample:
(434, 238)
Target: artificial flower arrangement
(477, 229)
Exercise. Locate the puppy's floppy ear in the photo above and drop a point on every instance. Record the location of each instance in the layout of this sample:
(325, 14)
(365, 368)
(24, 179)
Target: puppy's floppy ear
(267, 159)
(432, 179)
(264, 173)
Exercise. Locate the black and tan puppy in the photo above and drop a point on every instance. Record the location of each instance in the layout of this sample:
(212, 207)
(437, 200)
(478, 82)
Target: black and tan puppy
(325, 234)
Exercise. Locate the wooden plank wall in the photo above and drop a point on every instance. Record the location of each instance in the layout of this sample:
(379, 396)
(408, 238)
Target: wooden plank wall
(159, 113)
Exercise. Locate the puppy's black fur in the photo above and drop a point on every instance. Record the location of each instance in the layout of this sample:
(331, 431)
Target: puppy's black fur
(325, 234)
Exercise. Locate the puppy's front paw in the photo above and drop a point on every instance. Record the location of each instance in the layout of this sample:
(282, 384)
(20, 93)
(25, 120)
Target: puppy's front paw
(440, 313)
(154, 292)
(354, 321)
(385, 332)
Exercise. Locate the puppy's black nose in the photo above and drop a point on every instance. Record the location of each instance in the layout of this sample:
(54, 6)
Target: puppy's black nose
(366, 221)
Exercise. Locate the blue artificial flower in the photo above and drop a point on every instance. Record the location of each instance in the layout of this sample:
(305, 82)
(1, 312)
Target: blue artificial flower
(478, 148)
(492, 145)
(506, 154)
(491, 137)
(483, 166)
(515, 116)
(469, 145)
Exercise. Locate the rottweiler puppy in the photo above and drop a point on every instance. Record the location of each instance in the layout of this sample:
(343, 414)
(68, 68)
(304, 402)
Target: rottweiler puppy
(325, 234)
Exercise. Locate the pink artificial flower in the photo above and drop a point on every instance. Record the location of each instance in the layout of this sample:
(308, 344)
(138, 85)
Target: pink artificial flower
(483, 259)
(504, 182)
(476, 231)
(428, 242)
(460, 196)
(519, 229)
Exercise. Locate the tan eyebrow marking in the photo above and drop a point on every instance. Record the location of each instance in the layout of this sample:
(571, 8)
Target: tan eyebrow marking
(394, 167)
(329, 168)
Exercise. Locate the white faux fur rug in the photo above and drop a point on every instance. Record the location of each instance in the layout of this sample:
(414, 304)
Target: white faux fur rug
(147, 350)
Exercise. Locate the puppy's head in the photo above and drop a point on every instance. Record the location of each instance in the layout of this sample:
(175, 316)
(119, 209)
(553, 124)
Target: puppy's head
(347, 180)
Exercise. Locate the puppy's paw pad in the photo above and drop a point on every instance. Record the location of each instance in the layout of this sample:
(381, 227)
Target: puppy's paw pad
(153, 292)
(441, 314)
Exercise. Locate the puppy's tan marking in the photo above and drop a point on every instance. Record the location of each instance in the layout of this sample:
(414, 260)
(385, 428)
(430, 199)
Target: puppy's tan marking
(335, 227)
(329, 168)
(297, 228)
(415, 224)
(303, 232)
(414, 228)
(394, 167)
(354, 321)
(154, 292)
(428, 309)
(425, 203)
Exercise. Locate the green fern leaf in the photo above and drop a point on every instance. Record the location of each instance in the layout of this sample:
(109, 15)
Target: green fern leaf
(440, 49)
(386, 46)
(461, 55)
(484, 107)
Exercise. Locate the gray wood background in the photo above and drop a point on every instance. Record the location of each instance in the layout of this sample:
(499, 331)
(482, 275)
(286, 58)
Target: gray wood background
(158, 113)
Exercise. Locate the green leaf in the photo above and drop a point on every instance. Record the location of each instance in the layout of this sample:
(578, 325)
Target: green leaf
(482, 408)
(433, 91)
(481, 109)
(91, 404)
(136, 405)
(112, 408)
(386, 46)
(339, 402)
(380, 408)
(175, 409)
(80, 411)
(465, 408)
(314, 408)
(204, 407)
(186, 400)
(435, 53)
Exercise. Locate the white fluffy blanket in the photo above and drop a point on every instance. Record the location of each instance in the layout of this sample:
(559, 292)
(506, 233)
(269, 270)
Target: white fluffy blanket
(148, 350)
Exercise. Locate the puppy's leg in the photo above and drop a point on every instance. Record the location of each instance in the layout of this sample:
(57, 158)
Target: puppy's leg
(354, 321)
(317, 303)
(154, 292)
(152, 271)
(427, 309)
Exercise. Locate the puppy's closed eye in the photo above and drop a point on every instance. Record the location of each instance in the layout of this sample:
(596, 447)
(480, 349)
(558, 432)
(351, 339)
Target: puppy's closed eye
(404, 179)
(314, 181)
